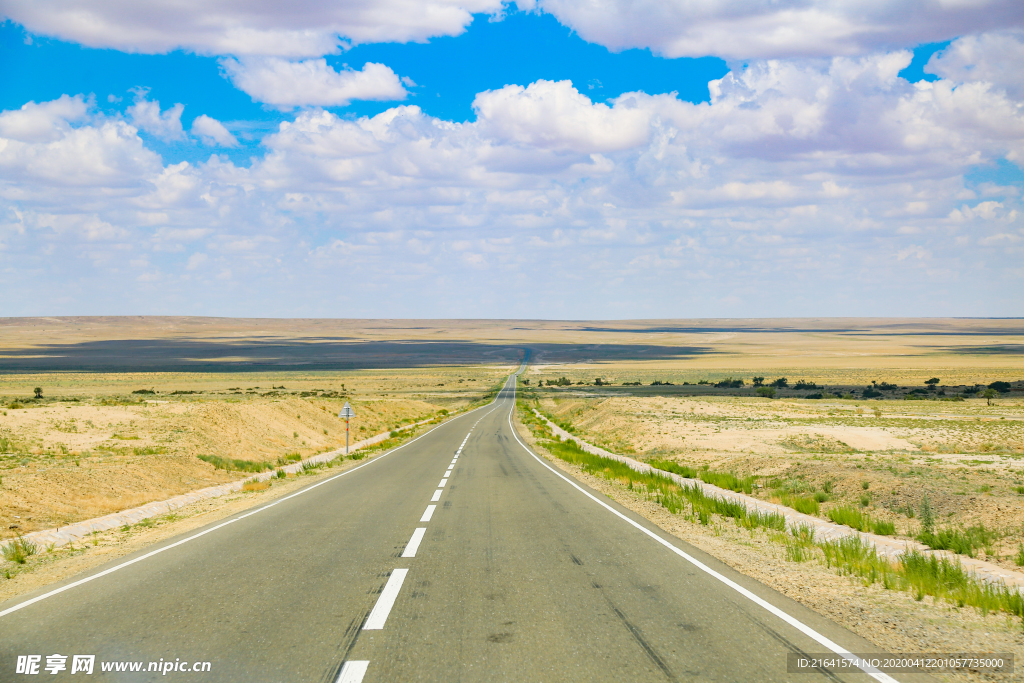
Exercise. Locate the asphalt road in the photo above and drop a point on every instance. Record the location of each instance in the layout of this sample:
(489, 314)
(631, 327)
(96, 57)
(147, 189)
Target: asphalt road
(519, 575)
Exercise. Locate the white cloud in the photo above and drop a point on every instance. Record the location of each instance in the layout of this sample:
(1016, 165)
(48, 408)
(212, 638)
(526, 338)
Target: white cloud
(287, 84)
(212, 132)
(146, 115)
(550, 115)
(42, 122)
(994, 58)
(301, 28)
(742, 29)
(40, 149)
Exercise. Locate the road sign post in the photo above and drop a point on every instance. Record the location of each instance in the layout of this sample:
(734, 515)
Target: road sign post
(346, 414)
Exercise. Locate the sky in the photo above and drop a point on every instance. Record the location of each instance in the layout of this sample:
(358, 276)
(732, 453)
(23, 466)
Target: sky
(544, 159)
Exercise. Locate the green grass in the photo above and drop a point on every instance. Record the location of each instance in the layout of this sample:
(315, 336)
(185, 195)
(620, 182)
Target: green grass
(289, 458)
(653, 485)
(808, 506)
(850, 516)
(922, 575)
(674, 468)
(235, 465)
(962, 540)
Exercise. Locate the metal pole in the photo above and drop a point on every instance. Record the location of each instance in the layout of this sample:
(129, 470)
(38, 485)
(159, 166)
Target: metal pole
(346, 437)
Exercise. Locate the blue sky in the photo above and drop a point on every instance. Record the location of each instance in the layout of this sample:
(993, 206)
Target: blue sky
(488, 160)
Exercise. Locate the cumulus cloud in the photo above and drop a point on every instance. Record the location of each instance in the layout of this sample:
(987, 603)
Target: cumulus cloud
(212, 132)
(41, 148)
(146, 115)
(991, 58)
(556, 116)
(778, 28)
(302, 28)
(42, 122)
(287, 84)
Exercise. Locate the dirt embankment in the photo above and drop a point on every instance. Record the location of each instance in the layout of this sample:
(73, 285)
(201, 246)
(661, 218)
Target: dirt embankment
(62, 463)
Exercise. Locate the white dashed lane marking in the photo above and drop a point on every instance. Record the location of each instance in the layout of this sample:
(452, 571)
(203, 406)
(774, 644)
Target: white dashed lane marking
(443, 482)
(353, 672)
(428, 513)
(414, 543)
(386, 601)
(436, 497)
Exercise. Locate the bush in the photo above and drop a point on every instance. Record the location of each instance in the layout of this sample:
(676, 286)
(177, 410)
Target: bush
(1001, 387)
(143, 391)
(781, 383)
(804, 385)
(766, 392)
(729, 383)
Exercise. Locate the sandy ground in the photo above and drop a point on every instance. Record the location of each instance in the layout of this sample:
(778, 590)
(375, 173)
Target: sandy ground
(967, 457)
(893, 620)
(64, 460)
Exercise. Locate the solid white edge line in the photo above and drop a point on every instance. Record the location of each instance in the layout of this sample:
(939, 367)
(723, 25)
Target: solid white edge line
(437, 496)
(353, 671)
(443, 482)
(761, 602)
(414, 543)
(386, 601)
(148, 555)
(428, 513)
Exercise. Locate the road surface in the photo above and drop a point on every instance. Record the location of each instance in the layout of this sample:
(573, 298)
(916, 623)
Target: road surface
(460, 556)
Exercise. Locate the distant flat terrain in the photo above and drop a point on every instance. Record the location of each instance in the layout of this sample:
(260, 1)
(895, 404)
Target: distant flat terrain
(193, 344)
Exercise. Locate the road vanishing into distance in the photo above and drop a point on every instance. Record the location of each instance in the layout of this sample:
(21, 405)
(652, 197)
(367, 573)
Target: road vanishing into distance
(460, 556)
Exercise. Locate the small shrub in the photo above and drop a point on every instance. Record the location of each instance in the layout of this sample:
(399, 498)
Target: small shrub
(766, 392)
(256, 486)
(281, 474)
(927, 516)
(1018, 559)
(865, 485)
(18, 550)
(821, 496)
